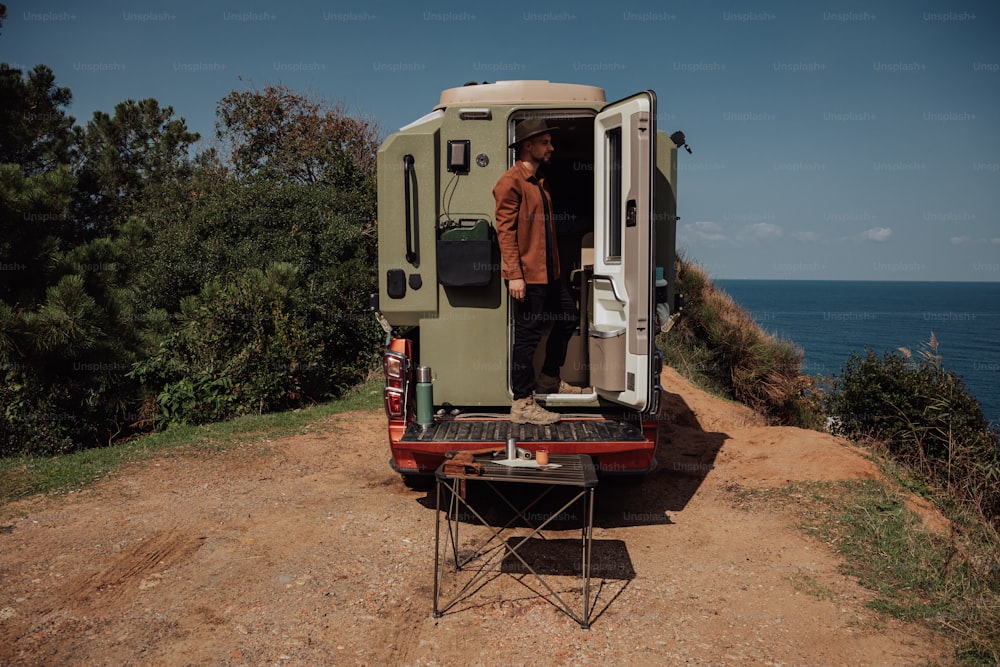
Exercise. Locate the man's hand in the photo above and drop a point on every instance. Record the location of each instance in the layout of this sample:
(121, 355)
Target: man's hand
(517, 288)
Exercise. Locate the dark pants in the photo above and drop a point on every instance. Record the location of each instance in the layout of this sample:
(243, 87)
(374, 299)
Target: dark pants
(543, 305)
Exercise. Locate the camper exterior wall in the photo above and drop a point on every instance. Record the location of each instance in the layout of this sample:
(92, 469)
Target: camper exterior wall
(463, 332)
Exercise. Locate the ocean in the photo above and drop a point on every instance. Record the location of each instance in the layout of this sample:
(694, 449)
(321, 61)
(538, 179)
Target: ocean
(830, 320)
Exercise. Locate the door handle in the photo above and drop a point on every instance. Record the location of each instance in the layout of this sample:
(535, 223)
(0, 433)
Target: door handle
(630, 213)
(614, 290)
(408, 174)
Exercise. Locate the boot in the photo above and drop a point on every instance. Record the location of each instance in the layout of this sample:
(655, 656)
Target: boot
(553, 385)
(526, 411)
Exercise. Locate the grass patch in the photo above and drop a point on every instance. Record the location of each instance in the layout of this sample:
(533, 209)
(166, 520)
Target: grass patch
(950, 583)
(913, 410)
(23, 476)
(808, 585)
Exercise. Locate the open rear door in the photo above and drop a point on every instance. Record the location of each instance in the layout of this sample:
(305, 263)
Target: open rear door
(621, 331)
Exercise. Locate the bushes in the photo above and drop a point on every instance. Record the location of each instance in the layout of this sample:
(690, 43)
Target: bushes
(719, 344)
(280, 317)
(63, 358)
(33, 416)
(148, 286)
(240, 348)
(921, 414)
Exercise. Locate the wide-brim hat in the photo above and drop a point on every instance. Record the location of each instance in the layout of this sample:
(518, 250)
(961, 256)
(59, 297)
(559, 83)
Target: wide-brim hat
(529, 128)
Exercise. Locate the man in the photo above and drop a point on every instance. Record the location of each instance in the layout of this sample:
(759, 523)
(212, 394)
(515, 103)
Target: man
(530, 265)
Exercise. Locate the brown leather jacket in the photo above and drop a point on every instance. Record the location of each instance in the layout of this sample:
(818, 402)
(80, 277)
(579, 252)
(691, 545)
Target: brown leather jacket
(520, 222)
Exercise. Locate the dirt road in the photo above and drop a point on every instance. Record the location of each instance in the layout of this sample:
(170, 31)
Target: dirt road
(314, 553)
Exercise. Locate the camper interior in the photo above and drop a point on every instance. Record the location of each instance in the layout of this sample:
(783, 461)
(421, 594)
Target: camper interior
(571, 181)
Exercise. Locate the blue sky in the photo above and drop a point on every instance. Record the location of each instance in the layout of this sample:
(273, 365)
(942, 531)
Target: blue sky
(832, 140)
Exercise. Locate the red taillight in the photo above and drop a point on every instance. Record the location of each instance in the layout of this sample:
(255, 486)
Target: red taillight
(396, 364)
(395, 367)
(395, 403)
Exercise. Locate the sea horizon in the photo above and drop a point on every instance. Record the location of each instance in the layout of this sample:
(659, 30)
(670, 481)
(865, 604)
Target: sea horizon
(830, 320)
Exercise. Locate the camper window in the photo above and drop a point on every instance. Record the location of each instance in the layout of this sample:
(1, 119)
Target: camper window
(613, 187)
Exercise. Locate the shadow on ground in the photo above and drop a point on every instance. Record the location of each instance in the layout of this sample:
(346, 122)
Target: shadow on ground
(685, 455)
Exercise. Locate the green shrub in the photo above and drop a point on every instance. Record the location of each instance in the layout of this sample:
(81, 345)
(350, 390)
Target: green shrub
(165, 286)
(32, 417)
(923, 416)
(247, 347)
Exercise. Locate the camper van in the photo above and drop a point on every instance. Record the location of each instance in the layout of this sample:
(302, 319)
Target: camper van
(444, 304)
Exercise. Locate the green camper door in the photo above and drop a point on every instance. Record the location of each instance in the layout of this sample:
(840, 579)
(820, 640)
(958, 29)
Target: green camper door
(621, 326)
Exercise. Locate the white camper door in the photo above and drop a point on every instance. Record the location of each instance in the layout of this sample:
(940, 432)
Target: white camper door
(621, 329)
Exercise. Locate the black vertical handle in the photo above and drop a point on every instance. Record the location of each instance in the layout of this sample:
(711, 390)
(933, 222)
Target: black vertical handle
(408, 174)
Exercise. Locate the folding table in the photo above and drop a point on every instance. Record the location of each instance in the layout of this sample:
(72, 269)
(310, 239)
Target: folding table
(574, 470)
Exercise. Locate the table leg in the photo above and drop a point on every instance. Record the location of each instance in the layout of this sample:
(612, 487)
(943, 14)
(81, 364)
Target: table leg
(588, 538)
(453, 521)
(487, 556)
(437, 546)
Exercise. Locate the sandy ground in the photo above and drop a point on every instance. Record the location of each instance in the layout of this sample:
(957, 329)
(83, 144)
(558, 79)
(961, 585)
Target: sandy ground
(313, 552)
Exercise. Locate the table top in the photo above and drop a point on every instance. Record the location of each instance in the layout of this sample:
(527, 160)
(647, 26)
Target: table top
(573, 470)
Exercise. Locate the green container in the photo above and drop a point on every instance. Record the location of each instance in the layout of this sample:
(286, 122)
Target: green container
(425, 397)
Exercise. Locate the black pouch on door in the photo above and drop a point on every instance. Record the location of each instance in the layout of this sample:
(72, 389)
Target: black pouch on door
(465, 255)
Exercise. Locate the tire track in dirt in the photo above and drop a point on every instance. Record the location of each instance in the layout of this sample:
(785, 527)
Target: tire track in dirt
(405, 634)
(158, 552)
(87, 597)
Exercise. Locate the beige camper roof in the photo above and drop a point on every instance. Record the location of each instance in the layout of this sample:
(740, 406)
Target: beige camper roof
(520, 92)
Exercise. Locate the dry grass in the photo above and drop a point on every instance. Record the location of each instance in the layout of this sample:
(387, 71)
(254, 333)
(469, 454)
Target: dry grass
(719, 345)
